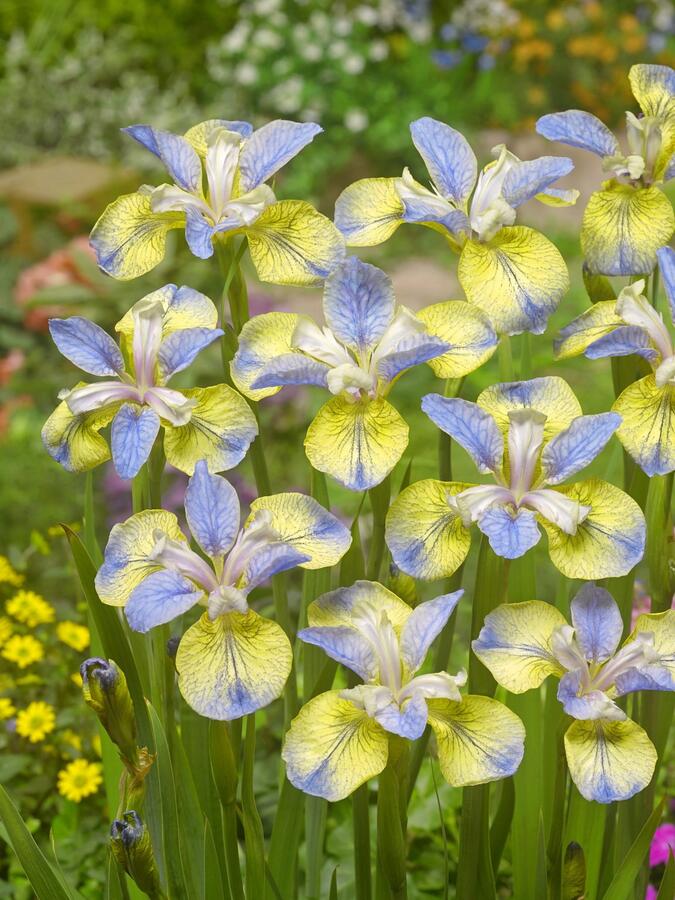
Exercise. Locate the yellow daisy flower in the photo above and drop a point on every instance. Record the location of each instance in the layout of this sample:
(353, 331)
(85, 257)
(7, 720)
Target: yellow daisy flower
(36, 721)
(6, 629)
(74, 635)
(30, 608)
(7, 573)
(7, 708)
(71, 739)
(79, 779)
(23, 650)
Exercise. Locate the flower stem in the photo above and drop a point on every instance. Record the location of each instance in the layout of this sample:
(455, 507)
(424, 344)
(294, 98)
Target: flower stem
(224, 769)
(452, 388)
(505, 357)
(392, 823)
(361, 831)
(659, 530)
(379, 501)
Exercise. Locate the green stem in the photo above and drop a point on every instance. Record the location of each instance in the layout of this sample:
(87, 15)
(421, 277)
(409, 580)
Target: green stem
(379, 501)
(452, 388)
(525, 356)
(490, 590)
(554, 851)
(659, 531)
(505, 358)
(89, 520)
(256, 882)
(361, 832)
(391, 824)
(224, 769)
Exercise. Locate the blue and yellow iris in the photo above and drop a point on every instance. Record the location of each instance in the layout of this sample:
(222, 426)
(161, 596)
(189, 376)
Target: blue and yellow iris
(340, 739)
(609, 756)
(357, 437)
(219, 171)
(160, 336)
(630, 218)
(232, 660)
(530, 436)
(512, 273)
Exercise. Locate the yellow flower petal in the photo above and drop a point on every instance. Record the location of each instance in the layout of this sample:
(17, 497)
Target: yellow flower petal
(292, 243)
(220, 430)
(183, 308)
(332, 747)
(609, 760)
(425, 536)
(74, 441)
(335, 607)
(650, 86)
(648, 427)
(466, 329)
(129, 238)
(233, 665)
(515, 644)
(126, 561)
(262, 339)
(369, 211)
(623, 228)
(597, 321)
(358, 444)
(550, 395)
(479, 739)
(517, 279)
(608, 543)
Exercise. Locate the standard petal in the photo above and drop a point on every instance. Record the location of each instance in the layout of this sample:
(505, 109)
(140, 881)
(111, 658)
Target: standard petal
(126, 561)
(658, 674)
(369, 211)
(666, 258)
(423, 626)
(306, 525)
(183, 308)
(180, 348)
(177, 154)
(198, 135)
(132, 435)
(129, 239)
(292, 243)
(74, 440)
(473, 429)
(597, 622)
(271, 147)
(511, 532)
(610, 540)
(212, 510)
(479, 739)
(333, 747)
(269, 560)
(623, 227)
(448, 157)
(466, 329)
(647, 430)
(87, 345)
(579, 129)
(358, 444)
(233, 665)
(609, 761)
(159, 598)
(336, 607)
(220, 431)
(550, 395)
(347, 646)
(413, 350)
(517, 278)
(290, 368)
(574, 448)
(594, 323)
(424, 534)
(358, 303)
(527, 178)
(654, 89)
(515, 644)
(262, 340)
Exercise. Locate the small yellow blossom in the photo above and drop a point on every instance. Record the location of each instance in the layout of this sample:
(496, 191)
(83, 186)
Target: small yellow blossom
(7, 573)
(96, 745)
(30, 608)
(23, 650)
(36, 721)
(76, 678)
(6, 629)
(74, 635)
(7, 708)
(71, 739)
(79, 779)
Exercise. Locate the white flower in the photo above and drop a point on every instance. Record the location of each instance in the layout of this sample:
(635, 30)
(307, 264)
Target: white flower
(356, 120)
(353, 64)
(338, 49)
(366, 15)
(342, 26)
(378, 51)
(268, 39)
(246, 73)
(310, 52)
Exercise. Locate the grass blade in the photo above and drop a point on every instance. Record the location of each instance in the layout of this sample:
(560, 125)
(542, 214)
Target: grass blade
(253, 830)
(622, 884)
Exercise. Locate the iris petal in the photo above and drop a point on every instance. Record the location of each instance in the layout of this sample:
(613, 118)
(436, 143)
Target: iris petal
(511, 533)
(448, 157)
(132, 436)
(271, 147)
(474, 429)
(336, 607)
(358, 303)
(550, 395)
(86, 345)
(579, 129)
(647, 430)
(74, 440)
(466, 329)
(597, 622)
(527, 178)
(423, 626)
(262, 340)
(574, 448)
(346, 645)
(212, 511)
(596, 322)
(159, 598)
(369, 211)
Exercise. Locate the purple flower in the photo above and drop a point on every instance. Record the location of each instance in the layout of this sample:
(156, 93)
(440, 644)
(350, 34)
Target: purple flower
(662, 843)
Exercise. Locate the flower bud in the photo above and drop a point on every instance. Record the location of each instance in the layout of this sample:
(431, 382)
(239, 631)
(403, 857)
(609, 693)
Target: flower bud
(105, 690)
(132, 848)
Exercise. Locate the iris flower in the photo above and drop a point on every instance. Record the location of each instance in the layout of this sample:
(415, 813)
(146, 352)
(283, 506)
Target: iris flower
(530, 436)
(161, 335)
(219, 170)
(630, 218)
(232, 660)
(513, 273)
(340, 739)
(621, 327)
(358, 436)
(609, 756)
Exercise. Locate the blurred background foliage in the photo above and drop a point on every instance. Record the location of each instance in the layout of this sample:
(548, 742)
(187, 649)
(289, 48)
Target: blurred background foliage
(72, 73)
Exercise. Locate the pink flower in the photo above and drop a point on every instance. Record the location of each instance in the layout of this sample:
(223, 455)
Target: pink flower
(662, 843)
(651, 892)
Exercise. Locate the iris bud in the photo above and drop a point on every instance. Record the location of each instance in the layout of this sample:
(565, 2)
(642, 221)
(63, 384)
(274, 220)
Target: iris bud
(105, 690)
(132, 848)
